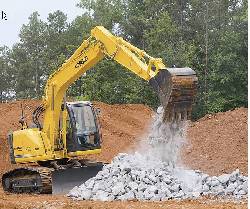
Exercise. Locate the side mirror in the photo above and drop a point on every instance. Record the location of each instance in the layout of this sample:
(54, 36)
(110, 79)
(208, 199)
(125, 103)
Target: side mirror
(98, 111)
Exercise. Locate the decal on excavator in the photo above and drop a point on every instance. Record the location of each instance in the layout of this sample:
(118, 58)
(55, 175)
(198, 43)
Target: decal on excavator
(81, 62)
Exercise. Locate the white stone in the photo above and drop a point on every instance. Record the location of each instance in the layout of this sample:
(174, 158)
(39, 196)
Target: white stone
(131, 177)
(175, 188)
(234, 175)
(204, 177)
(242, 192)
(133, 185)
(230, 189)
(224, 178)
(148, 195)
(196, 194)
(214, 183)
(86, 195)
(153, 189)
(245, 186)
(218, 190)
(101, 195)
(205, 188)
(167, 179)
(118, 189)
(90, 184)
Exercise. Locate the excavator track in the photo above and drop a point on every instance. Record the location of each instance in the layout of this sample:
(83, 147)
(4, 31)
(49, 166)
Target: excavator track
(44, 180)
(28, 180)
(176, 88)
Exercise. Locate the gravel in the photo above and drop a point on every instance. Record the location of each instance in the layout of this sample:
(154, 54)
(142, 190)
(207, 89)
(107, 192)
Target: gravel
(154, 175)
(134, 176)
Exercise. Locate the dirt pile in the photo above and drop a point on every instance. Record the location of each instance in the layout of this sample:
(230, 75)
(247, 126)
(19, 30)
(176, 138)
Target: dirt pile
(217, 143)
(10, 114)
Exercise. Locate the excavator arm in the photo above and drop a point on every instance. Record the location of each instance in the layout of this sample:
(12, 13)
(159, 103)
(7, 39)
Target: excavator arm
(172, 85)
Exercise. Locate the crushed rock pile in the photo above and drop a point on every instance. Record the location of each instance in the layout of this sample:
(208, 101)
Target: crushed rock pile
(153, 174)
(134, 176)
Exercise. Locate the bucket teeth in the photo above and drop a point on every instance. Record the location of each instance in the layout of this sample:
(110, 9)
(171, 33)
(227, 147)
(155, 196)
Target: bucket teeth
(176, 88)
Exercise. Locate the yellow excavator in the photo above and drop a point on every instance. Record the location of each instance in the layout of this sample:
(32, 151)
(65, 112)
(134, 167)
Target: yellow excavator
(71, 130)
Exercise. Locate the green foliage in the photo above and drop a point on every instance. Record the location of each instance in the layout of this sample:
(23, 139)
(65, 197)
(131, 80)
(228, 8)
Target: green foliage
(210, 37)
(6, 78)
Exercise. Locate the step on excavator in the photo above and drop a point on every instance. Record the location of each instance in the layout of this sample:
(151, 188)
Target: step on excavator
(71, 130)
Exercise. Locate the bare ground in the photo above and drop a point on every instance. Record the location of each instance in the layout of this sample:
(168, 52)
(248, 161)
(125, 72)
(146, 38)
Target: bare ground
(216, 144)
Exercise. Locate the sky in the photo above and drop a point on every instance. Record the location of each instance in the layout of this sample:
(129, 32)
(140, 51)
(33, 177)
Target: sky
(18, 11)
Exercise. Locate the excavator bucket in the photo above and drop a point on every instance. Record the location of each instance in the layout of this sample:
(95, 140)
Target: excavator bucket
(65, 180)
(176, 88)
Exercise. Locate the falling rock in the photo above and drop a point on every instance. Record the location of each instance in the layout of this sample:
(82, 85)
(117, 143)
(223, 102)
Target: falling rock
(240, 187)
(167, 179)
(209, 181)
(147, 181)
(167, 192)
(175, 188)
(156, 197)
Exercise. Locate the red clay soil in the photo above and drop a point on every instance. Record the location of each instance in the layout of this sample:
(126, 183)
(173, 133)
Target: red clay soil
(24, 201)
(216, 144)
(10, 114)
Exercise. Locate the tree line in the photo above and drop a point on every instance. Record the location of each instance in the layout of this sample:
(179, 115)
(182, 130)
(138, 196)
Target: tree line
(208, 36)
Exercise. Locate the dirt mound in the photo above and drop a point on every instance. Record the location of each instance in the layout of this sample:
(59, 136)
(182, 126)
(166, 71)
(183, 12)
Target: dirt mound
(10, 114)
(217, 143)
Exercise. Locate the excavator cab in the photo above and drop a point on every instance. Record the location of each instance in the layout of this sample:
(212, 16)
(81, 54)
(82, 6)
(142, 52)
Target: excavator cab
(83, 131)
